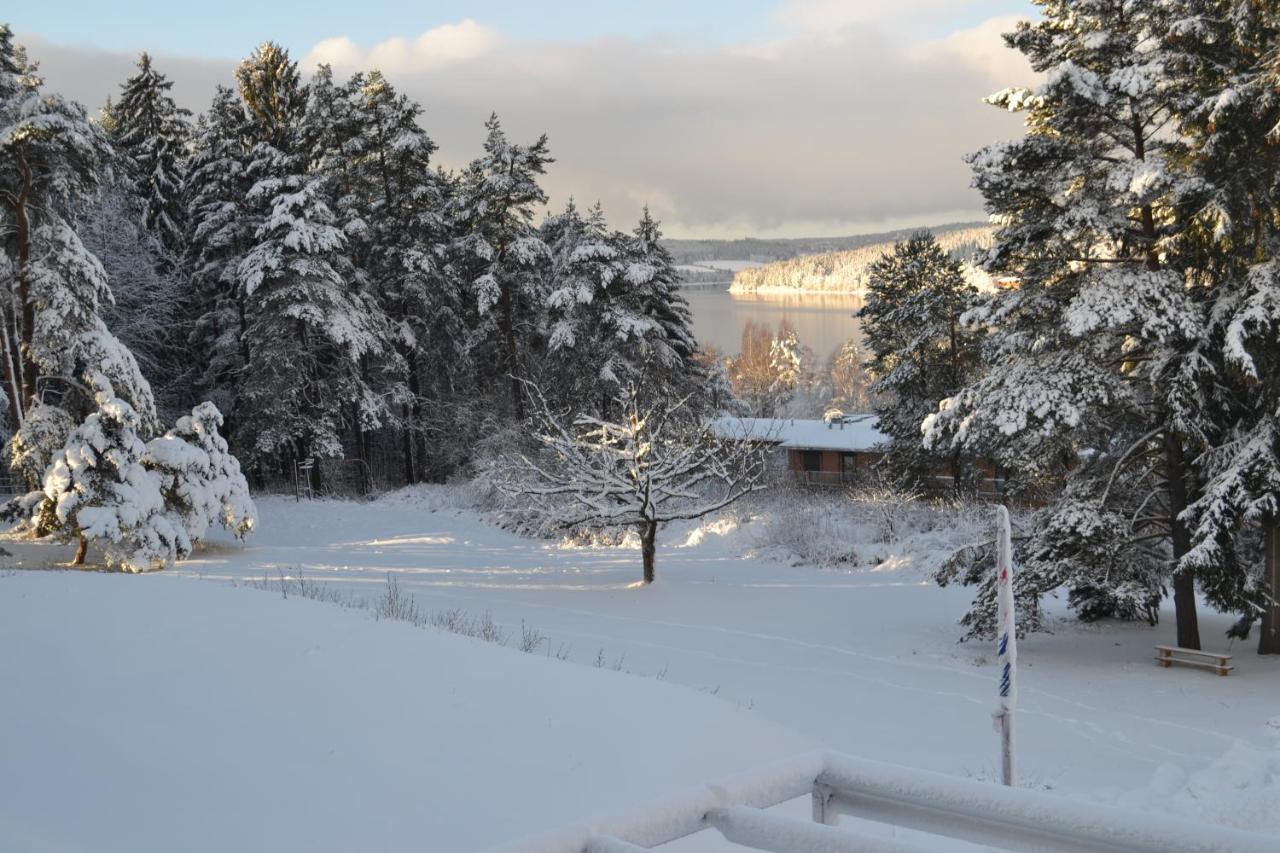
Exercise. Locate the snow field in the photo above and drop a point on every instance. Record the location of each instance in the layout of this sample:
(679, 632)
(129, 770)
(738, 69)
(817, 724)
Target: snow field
(861, 659)
(156, 713)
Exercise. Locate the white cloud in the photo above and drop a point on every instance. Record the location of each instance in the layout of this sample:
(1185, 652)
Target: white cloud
(981, 47)
(434, 49)
(828, 16)
(812, 134)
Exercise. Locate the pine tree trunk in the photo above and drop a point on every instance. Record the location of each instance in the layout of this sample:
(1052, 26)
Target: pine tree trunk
(10, 363)
(513, 356)
(648, 547)
(1184, 586)
(81, 549)
(22, 238)
(362, 453)
(1269, 641)
(406, 446)
(415, 448)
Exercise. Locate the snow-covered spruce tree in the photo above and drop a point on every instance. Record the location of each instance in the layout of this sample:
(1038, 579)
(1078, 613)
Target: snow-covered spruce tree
(327, 145)
(785, 365)
(920, 354)
(150, 132)
(654, 464)
(1096, 373)
(219, 234)
(1224, 55)
(200, 480)
(499, 253)
(97, 489)
(588, 327)
(308, 329)
(666, 355)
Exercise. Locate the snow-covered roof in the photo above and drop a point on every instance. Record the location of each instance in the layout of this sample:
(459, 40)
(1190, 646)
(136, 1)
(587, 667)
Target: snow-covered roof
(852, 434)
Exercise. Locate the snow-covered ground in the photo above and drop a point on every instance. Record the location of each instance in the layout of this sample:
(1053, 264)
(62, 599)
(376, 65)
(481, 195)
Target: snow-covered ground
(861, 661)
(153, 713)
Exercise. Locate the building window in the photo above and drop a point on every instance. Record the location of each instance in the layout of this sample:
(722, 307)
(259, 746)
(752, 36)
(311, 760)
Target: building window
(812, 460)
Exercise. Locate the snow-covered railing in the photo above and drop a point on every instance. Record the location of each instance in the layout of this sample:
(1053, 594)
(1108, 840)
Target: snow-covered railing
(920, 800)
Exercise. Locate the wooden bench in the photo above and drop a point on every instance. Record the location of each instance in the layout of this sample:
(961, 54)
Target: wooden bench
(1169, 655)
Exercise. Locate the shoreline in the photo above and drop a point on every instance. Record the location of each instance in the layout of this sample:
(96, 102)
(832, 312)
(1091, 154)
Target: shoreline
(860, 293)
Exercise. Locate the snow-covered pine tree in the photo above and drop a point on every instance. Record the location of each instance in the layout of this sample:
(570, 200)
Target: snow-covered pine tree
(273, 96)
(151, 132)
(219, 234)
(498, 252)
(1223, 55)
(1097, 374)
(97, 489)
(328, 145)
(389, 202)
(920, 354)
(408, 239)
(200, 480)
(309, 328)
(70, 340)
(51, 335)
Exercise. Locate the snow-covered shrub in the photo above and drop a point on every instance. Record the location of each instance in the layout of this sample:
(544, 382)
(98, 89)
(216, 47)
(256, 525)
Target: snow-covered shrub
(97, 489)
(200, 479)
(43, 433)
(870, 528)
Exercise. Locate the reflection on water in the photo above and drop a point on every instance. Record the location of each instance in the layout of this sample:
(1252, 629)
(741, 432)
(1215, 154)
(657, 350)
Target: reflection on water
(823, 321)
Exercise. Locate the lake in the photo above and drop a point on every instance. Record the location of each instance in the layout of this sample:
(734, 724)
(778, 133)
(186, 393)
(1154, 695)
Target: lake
(823, 321)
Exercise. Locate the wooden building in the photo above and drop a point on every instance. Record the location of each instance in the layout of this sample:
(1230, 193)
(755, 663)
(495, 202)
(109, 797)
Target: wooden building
(836, 451)
(833, 452)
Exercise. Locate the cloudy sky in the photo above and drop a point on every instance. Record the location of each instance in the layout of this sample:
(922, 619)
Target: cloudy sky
(728, 118)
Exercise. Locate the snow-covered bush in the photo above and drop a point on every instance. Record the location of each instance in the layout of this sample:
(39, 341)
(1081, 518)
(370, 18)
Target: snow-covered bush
(200, 480)
(871, 528)
(43, 433)
(96, 488)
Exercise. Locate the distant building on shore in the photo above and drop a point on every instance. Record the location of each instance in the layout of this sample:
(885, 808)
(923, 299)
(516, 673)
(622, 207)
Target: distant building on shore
(839, 450)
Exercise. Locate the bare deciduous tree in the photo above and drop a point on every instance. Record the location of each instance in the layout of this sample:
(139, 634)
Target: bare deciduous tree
(658, 462)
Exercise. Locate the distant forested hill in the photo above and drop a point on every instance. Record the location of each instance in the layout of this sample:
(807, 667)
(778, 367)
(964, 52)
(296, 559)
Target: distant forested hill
(764, 251)
(845, 271)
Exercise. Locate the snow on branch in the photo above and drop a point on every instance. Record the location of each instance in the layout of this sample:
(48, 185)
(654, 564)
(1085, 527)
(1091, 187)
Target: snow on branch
(657, 462)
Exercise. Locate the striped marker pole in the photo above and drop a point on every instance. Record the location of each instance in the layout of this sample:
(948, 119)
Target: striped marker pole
(1007, 653)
